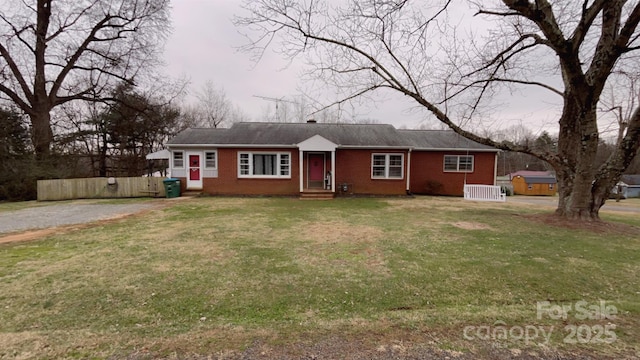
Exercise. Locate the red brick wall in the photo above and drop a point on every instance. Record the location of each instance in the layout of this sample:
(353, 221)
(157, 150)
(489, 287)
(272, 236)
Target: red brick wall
(428, 176)
(228, 183)
(354, 168)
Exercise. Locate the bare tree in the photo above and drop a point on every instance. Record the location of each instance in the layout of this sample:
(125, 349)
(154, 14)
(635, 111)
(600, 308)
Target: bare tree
(54, 52)
(213, 107)
(619, 106)
(569, 49)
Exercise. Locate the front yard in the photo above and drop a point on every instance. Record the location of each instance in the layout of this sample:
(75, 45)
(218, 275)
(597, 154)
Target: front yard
(273, 276)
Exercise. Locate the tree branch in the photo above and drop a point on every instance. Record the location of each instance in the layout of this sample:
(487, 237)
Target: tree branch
(17, 99)
(18, 75)
(541, 13)
(629, 28)
(18, 33)
(587, 18)
(502, 57)
(71, 63)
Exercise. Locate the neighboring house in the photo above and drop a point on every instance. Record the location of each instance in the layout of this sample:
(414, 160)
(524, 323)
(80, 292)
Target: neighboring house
(633, 185)
(534, 183)
(619, 191)
(303, 158)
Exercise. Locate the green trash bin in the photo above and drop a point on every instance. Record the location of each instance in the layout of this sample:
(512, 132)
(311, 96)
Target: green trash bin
(172, 187)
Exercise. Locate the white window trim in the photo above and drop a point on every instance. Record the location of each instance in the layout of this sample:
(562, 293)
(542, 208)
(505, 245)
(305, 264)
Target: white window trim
(278, 164)
(473, 163)
(173, 159)
(215, 152)
(387, 166)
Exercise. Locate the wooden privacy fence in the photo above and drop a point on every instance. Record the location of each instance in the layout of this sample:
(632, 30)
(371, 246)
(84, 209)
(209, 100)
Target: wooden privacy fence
(100, 188)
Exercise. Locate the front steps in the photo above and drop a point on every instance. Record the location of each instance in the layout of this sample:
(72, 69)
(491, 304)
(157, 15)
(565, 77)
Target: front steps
(317, 195)
(191, 193)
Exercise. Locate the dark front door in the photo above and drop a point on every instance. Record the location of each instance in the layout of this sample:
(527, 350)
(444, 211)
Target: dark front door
(316, 170)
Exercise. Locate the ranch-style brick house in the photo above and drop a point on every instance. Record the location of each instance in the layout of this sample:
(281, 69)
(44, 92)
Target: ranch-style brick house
(254, 158)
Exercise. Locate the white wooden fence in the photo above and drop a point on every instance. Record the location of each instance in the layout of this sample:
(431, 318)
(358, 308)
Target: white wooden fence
(484, 193)
(96, 188)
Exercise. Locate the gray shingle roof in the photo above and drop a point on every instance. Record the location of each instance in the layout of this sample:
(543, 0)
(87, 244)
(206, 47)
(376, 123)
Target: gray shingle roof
(198, 136)
(344, 135)
(631, 179)
(540, 180)
(440, 139)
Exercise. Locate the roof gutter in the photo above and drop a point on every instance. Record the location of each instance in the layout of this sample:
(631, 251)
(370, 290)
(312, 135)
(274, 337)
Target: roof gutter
(455, 149)
(372, 147)
(169, 146)
(355, 147)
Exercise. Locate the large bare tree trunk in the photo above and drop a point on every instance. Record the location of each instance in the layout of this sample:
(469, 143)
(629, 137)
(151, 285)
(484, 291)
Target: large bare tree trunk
(41, 133)
(576, 200)
(577, 149)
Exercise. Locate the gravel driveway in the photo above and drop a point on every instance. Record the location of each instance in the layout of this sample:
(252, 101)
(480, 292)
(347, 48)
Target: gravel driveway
(41, 217)
(553, 202)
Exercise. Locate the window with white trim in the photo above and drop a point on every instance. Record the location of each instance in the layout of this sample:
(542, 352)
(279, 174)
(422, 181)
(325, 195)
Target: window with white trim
(458, 163)
(264, 165)
(387, 166)
(210, 160)
(178, 159)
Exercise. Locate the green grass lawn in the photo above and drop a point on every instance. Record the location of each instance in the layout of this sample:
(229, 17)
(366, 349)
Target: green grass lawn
(206, 275)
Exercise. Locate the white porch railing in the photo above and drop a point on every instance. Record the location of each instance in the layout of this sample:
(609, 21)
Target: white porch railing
(484, 193)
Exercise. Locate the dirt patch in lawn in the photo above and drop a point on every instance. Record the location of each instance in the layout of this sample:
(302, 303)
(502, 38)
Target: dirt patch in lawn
(381, 343)
(467, 225)
(343, 243)
(339, 232)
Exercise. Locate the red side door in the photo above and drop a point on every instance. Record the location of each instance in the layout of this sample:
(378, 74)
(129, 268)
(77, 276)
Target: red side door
(194, 167)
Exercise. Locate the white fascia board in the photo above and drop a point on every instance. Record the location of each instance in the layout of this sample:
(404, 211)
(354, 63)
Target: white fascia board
(369, 147)
(295, 146)
(456, 149)
(230, 146)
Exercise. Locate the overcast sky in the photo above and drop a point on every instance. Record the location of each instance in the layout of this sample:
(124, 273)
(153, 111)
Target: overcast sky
(203, 46)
